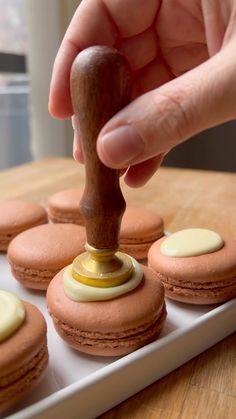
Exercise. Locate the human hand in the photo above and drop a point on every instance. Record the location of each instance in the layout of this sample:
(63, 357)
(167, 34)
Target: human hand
(183, 62)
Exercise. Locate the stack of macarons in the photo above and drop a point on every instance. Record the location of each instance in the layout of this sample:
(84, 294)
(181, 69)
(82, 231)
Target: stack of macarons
(196, 266)
(39, 251)
(140, 227)
(23, 349)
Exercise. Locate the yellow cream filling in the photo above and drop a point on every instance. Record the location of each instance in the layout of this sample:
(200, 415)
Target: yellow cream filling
(12, 314)
(191, 242)
(77, 291)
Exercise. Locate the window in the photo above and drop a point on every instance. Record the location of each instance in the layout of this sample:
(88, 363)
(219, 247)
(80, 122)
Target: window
(14, 85)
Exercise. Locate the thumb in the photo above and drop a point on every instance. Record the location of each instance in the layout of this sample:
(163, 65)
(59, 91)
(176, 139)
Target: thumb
(162, 118)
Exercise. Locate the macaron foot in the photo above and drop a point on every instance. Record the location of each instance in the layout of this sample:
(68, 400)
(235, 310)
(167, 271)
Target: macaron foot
(23, 358)
(36, 255)
(208, 277)
(113, 327)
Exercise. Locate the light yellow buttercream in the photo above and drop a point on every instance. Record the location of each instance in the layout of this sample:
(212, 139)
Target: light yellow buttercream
(191, 242)
(12, 314)
(80, 292)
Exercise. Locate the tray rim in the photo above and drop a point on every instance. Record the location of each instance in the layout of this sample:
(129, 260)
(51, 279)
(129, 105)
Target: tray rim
(66, 400)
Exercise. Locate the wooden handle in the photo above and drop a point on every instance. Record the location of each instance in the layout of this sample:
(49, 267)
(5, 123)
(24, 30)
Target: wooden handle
(100, 87)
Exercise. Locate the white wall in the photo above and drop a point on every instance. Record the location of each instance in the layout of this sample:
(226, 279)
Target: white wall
(46, 22)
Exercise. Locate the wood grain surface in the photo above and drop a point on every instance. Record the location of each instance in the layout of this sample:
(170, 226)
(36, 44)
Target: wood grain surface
(206, 386)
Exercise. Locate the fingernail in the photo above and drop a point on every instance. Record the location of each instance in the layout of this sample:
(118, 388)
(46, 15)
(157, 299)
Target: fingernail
(121, 146)
(74, 123)
(74, 148)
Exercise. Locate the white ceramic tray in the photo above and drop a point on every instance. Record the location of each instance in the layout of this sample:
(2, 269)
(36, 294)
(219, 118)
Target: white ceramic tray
(83, 386)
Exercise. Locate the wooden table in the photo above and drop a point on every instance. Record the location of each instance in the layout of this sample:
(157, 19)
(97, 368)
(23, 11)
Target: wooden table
(206, 386)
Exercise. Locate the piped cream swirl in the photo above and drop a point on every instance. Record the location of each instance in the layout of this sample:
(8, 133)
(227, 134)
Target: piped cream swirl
(12, 314)
(79, 292)
(191, 242)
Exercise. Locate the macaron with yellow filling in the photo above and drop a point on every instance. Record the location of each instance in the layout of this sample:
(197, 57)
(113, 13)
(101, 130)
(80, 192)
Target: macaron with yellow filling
(36, 255)
(107, 321)
(23, 349)
(196, 266)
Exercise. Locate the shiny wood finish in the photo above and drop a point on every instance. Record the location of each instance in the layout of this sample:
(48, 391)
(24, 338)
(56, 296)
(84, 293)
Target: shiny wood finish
(100, 87)
(204, 388)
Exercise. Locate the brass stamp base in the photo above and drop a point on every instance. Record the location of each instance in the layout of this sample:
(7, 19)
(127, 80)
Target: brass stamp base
(102, 268)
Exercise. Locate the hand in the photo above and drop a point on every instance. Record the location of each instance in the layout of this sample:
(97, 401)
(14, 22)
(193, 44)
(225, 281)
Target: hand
(183, 62)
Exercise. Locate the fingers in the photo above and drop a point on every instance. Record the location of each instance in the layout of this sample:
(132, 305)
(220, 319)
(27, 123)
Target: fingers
(132, 17)
(140, 50)
(135, 176)
(140, 173)
(90, 25)
(77, 149)
(159, 120)
(98, 22)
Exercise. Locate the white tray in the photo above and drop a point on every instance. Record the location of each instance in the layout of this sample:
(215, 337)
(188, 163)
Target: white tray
(83, 386)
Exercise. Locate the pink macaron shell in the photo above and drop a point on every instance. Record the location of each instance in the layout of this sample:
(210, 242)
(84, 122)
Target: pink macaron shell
(140, 227)
(63, 207)
(205, 279)
(112, 327)
(38, 254)
(23, 358)
(138, 251)
(17, 216)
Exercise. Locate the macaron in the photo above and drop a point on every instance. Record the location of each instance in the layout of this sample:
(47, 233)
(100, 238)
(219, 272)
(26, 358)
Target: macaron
(36, 255)
(112, 327)
(23, 349)
(63, 207)
(140, 228)
(196, 266)
(17, 216)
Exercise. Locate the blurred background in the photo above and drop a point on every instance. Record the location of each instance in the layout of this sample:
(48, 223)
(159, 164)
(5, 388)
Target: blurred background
(30, 34)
